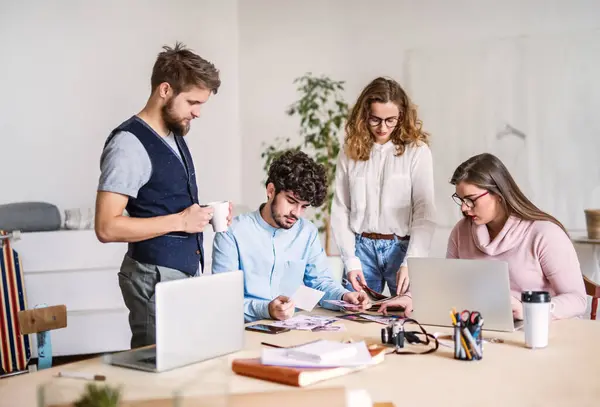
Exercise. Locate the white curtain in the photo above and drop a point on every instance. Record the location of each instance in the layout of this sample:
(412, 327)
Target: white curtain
(533, 102)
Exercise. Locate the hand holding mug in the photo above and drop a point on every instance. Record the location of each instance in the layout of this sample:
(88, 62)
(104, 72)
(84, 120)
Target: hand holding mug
(222, 215)
(195, 218)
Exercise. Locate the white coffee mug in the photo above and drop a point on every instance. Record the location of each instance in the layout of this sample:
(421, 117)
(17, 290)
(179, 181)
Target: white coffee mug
(219, 219)
(537, 309)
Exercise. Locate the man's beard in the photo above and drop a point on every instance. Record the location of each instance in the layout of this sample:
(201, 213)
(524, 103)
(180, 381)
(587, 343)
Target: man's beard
(173, 122)
(280, 219)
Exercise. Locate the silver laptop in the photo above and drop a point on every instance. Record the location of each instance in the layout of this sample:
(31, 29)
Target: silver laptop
(438, 285)
(197, 319)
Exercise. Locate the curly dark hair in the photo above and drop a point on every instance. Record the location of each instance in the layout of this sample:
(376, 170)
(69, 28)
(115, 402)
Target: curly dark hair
(296, 172)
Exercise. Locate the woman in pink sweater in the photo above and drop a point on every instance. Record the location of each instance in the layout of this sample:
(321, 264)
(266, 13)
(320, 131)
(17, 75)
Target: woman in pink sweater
(500, 223)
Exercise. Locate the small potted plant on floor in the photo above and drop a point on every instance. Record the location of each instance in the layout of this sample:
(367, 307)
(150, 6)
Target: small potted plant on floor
(99, 396)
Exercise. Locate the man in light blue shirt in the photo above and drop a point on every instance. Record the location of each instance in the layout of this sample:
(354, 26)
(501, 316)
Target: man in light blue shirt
(276, 248)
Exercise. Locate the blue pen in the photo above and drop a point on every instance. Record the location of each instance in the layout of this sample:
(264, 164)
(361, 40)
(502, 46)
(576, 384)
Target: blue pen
(479, 325)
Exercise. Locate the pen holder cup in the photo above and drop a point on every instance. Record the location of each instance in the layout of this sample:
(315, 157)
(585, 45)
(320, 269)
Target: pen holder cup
(468, 343)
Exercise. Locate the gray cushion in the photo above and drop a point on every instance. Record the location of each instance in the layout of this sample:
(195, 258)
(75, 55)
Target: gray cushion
(29, 217)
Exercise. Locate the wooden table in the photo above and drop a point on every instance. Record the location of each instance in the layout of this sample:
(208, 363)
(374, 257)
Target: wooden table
(567, 373)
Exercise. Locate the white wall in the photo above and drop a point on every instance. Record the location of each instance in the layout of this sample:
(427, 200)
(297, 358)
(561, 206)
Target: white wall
(355, 41)
(71, 71)
(540, 86)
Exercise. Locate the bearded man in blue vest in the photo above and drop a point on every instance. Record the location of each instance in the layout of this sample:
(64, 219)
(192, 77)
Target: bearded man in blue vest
(147, 170)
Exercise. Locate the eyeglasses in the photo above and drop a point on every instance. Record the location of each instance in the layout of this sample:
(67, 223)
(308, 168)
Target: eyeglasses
(375, 121)
(468, 202)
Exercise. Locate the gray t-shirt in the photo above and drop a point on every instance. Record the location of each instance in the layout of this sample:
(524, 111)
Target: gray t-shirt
(125, 165)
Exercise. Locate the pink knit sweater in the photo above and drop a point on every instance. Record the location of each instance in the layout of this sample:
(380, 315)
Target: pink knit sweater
(539, 254)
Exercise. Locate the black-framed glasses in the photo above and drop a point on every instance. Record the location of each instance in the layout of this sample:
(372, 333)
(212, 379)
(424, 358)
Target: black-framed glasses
(468, 202)
(375, 121)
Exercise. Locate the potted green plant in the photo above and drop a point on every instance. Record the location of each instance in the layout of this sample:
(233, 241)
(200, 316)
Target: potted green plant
(323, 113)
(99, 396)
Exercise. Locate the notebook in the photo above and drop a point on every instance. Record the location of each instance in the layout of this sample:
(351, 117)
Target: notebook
(301, 376)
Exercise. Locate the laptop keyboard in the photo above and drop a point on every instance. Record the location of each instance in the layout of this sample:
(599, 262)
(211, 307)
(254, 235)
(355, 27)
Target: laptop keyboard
(151, 360)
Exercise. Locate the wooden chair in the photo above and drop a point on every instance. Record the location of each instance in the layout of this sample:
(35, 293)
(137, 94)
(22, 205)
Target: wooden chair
(593, 290)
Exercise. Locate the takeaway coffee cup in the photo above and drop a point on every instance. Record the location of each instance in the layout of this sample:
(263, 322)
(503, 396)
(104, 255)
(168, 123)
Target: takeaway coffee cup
(536, 318)
(219, 219)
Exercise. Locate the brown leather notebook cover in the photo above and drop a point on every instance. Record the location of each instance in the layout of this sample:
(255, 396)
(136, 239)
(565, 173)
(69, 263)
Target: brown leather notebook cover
(295, 376)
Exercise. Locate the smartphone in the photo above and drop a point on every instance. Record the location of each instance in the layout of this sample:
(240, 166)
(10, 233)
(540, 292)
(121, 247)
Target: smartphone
(267, 329)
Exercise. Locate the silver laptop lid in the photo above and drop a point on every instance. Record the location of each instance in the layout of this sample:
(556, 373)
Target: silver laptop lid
(438, 285)
(199, 318)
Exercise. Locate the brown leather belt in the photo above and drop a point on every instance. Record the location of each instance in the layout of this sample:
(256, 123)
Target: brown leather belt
(380, 236)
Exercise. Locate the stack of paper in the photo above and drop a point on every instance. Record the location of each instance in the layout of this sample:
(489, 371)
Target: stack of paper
(321, 353)
(302, 376)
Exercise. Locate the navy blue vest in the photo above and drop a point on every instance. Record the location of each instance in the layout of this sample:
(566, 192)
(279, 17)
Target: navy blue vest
(171, 188)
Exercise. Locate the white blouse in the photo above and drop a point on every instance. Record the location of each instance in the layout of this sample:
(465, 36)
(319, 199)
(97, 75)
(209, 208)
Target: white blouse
(386, 194)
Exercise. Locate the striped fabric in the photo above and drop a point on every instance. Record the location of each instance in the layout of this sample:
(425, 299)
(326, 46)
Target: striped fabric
(15, 350)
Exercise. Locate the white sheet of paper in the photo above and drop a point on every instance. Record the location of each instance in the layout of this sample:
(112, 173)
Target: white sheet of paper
(278, 357)
(306, 298)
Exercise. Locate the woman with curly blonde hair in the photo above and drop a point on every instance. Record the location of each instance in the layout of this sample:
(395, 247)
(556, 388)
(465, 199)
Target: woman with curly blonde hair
(383, 209)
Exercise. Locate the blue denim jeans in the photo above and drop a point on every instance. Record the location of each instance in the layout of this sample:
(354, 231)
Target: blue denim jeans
(380, 260)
